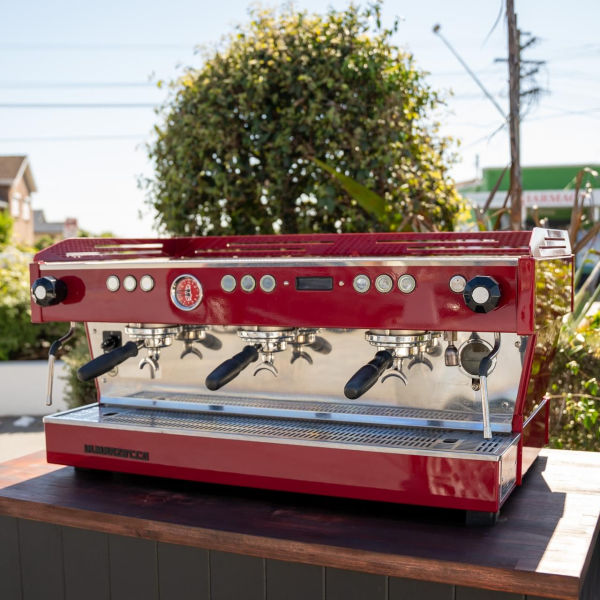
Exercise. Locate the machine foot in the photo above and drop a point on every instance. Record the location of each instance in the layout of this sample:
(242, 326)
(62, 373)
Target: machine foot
(476, 518)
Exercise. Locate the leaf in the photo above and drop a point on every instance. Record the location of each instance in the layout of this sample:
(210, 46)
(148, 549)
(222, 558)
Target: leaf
(368, 199)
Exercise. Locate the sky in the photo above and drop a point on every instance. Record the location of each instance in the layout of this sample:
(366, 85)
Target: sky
(78, 89)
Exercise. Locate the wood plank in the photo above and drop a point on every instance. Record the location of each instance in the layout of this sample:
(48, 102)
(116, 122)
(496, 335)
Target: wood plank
(10, 564)
(183, 573)
(86, 565)
(541, 546)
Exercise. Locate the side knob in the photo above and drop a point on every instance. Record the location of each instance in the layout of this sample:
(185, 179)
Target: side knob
(48, 290)
(482, 294)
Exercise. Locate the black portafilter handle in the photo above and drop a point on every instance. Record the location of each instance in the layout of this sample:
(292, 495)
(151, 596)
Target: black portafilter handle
(107, 362)
(231, 368)
(320, 345)
(366, 377)
(211, 342)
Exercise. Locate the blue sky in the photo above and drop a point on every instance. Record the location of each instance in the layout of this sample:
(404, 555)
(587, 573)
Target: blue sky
(86, 160)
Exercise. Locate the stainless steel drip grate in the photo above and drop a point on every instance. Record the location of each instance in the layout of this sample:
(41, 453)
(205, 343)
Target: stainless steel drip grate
(310, 406)
(363, 437)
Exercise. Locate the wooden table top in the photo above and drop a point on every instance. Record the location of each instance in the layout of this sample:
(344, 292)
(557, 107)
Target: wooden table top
(541, 546)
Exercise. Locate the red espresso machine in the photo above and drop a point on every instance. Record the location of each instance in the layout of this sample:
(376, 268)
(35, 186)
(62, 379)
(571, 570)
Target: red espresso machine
(398, 367)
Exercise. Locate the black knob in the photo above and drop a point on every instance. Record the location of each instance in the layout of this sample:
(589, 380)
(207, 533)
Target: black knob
(482, 294)
(48, 290)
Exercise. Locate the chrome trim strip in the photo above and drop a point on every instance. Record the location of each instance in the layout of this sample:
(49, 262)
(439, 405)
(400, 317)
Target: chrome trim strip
(270, 262)
(333, 417)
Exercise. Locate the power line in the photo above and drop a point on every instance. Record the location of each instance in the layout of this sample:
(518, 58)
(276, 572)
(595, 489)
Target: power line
(75, 138)
(26, 85)
(91, 46)
(50, 105)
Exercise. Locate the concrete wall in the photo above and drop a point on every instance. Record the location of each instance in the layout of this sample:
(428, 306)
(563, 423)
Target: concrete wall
(23, 388)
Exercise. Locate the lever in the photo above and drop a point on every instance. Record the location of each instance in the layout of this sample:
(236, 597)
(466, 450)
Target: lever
(106, 362)
(152, 362)
(484, 368)
(232, 367)
(366, 377)
(54, 348)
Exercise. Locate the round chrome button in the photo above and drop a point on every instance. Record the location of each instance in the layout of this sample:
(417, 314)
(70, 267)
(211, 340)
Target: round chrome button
(457, 284)
(130, 283)
(186, 292)
(146, 283)
(406, 284)
(267, 283)
(40, 292)
(248, 283)
(112, 283)
(480, 295)
(361, 284)
(384, 284)
(228, 283)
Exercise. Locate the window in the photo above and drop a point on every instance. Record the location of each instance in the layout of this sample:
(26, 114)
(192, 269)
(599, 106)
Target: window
(15, 205)
(26, 209)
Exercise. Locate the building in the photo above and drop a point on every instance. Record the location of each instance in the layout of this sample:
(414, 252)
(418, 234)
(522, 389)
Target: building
(16, 187)
(55, 231)
(550, 189)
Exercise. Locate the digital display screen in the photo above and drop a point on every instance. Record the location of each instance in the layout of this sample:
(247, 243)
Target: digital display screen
(314, 283)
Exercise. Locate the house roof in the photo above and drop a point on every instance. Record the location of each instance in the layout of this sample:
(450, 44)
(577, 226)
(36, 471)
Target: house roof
(40, 225)
(14, 167)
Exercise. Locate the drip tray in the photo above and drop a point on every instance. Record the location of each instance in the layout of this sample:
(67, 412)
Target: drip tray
(463, 444)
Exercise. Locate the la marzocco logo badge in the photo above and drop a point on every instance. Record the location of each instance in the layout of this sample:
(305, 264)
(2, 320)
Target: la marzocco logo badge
(116, 452)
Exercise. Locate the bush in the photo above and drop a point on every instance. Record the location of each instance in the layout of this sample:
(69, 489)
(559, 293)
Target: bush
(20, 339)
(78, 393)
(575, 388)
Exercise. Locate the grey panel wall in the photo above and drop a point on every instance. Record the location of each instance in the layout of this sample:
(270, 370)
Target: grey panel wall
(48, 562)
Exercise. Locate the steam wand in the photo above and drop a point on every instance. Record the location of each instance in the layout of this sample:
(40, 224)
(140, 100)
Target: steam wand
(54, 348)
(484, 368)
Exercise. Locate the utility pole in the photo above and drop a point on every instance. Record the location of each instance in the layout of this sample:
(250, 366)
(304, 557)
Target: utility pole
(514, 86)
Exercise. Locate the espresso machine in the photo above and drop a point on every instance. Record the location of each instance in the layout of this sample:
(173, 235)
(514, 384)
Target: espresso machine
(398, 367)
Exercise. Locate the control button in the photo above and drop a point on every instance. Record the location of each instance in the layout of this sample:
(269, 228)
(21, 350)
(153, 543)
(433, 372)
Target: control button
(482, 294)
(384, 284)
(186, 292)
(112, 283)
(457, 284)
(406, 284)
(361, 284)
(130, 283)
(47, 291)
(146, 283)
(228, 283)
(248, 283)
(267, 283)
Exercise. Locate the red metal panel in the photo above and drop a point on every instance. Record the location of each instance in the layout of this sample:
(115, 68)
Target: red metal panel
(369, 475)
(432, 306)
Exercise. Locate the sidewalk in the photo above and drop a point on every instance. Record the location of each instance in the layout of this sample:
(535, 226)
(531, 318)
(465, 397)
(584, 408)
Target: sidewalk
(20, 436)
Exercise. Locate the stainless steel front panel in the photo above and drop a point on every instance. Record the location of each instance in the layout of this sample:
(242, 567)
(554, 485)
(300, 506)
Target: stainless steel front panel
(437, 397)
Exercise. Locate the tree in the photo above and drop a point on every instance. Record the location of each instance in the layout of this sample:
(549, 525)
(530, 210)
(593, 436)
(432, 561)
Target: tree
(242, 136)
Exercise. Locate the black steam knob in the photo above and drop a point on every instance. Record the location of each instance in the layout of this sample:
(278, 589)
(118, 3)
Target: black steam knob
(48, 290)
(482, 294)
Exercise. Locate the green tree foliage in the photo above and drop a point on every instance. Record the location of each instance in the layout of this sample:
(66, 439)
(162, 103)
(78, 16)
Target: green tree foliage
(237, 149)
(19, 337)
(6, 225)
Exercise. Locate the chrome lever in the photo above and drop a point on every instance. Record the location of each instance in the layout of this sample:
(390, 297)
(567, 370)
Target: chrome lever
(484, 368)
